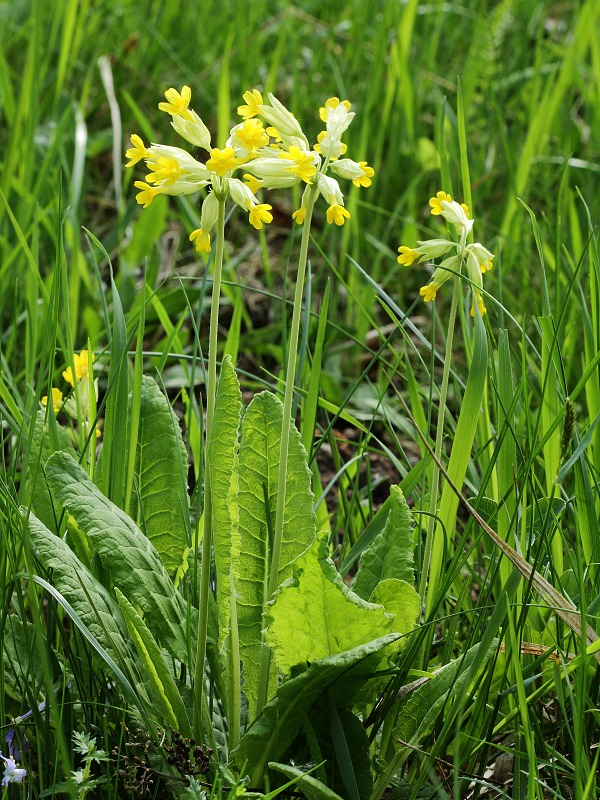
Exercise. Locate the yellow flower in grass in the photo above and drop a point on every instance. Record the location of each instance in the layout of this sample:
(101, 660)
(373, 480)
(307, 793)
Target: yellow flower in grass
(407, 255)
(302, 164)
(173, 171)
(177, 102)
(436, 202)
(82, 367)
(473, 259)
(57, 400)
(337, 214)
(222, 161)
(333, 103)
(253, 101)
(300, 215)
(260, 213)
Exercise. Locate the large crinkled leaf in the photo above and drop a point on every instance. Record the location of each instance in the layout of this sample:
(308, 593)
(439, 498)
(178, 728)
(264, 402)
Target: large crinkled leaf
(223, 461)
(400, 599)
(258, 465)
(341, 676)
(391, 554)
(41, 450)
(165, 695)
(419, 710)
(160, 504)
(127, 555)
(315, 615)
(94, 605)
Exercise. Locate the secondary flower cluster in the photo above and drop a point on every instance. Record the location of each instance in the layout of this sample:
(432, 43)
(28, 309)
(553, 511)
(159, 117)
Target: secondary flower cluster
(475, 257)
(81, 385)
(273, 154)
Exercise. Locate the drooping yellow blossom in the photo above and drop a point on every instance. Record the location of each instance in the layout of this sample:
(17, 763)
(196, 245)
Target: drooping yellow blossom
(222, 161)
(252, 134)
(436, 202)
(302, 163)
(252, 182)
(300, 215)
(472, 259)
(333, 102)
(260, 213)
(253, 101)
(429, 292)
(82, 367)
(137, 152)
(57, 399)
(201, 239)
(165, 170)
(407, 255)
(147, 193)
(337, 214)
(364, 180)
(177, 103)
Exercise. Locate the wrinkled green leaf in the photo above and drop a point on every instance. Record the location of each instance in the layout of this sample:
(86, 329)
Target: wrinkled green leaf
(400, 599)
(258, 464)
(165, 694)
(342, 676)
(315, 615)
(419, 710)
(391, 554)
(94, 605)
(40, 493)
(160, 504)
(223, 461)
(127, 555)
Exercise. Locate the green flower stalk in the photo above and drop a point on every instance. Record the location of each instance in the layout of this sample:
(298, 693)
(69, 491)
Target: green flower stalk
(477, 260)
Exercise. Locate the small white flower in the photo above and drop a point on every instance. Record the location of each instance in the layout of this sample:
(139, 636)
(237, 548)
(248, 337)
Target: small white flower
(12, 773)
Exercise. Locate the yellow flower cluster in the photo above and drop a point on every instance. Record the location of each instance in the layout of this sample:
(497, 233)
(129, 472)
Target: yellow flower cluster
(81, 386)
(274, 154)
(474, 257)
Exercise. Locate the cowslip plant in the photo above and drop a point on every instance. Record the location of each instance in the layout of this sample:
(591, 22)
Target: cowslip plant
(475, 260)
(271, 607)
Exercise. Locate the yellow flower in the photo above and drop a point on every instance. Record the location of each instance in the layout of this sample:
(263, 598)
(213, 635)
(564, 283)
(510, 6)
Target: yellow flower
(303, 163)
(465, 208)
(222, 161)
(253, 100)
(299, 215)
(252, 134)
(337, 214)
(429, 292)
(137, 152)
(177, 104)
(436, 202)
(260, 213)
(333, 102)
(485, 266)
(252, 182)
(202, 240)
(407, 255)
(482, 308)
(164, 170)
(364, 180)
(147, 193)
(57, 399)
(82, 367)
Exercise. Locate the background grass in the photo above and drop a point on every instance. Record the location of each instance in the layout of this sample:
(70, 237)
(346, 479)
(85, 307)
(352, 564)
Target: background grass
(76, 78)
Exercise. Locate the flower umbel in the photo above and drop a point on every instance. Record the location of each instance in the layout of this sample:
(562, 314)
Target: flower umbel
(474, 258)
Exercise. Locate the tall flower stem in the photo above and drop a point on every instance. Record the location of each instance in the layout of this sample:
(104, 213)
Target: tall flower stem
(286, 424)
(211, 388)
(433, 497)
